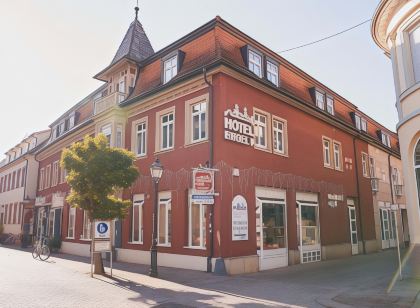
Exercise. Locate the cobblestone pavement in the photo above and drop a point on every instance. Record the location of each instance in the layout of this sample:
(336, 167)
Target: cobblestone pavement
(64, 281)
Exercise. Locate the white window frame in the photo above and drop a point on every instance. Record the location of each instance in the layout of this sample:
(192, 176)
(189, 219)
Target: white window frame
(160, 127)
(330, 105)
(72, 212)
(54, 181)
(171, 66)
(363, 125)
(86, 228)
(138, 200)
(386, 140)
(202, 223)
(47, 183)
(272, 72)
(372, 168)
(414, 54)
(365, 164)
(199, 114)
(283, 133)
(72, 118)
(261, 126)
(119, 136)
(358, 121)
(320, 99)
(104, 130)
(337, 154)
(253, 64)
(136, 137)
(165, 198)
(329, 163)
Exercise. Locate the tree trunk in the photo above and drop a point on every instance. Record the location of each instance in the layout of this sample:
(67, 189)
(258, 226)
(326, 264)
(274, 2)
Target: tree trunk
(98, 264)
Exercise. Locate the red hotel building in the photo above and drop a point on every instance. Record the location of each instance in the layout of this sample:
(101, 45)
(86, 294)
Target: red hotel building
(282, 143)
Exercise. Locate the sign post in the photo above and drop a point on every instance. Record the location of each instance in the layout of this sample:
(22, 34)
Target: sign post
(101, 241)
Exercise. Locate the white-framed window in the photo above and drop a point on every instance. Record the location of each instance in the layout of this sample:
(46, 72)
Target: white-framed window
(279, 132)
(197, 225)
(170, 68)
(320, 100)
(164, 219)
(255, 63)
(72, 120)
(395, 176)
(167, 131)
(47, 176)
(273, 73)
(260, 122)
(385, 139)
(372, 167)
(107, 131)
(360, 123)
(338, 164)
(119, 136)
(199, 122)
(414, 37)
(137, 219)
(330, 105)
(365, 170)
(63, 174)
(86, 226)
(141, 138)
(41, 179)
(61, 128)
(51, 221)
(326, 145)
(71, 222)
(363, 124)
(55, 173)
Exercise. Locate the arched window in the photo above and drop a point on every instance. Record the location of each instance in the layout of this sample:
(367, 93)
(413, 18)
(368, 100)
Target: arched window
(417, 166)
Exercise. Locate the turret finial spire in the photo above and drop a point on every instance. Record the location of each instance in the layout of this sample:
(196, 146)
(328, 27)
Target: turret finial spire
(137, 9)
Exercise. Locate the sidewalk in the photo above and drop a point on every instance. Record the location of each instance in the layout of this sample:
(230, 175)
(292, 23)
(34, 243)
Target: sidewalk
(359, 281)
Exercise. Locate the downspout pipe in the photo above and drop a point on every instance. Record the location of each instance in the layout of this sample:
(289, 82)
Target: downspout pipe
(390, 179)
(211, 162)
(356, 170)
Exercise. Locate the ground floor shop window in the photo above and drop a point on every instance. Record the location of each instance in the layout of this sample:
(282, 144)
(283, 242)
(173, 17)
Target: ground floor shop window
(51, 218)
(164, 219)
(137, 219)
(72, 220)
(308, 230)
(273, 225)
(197, 225)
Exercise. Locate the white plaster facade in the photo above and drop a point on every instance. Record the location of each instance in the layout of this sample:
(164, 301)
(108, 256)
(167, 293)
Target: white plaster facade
(396, 29)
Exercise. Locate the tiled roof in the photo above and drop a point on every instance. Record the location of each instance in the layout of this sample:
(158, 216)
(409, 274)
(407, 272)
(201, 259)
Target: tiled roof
(135, 45)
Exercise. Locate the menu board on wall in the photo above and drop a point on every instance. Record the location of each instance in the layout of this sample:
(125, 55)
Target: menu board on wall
(239, 219)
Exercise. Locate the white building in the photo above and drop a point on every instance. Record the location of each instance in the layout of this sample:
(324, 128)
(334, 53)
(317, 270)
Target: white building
(18, 181)
(396, 30)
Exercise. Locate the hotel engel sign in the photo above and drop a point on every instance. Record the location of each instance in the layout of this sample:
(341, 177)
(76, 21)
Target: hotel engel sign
(239, 126)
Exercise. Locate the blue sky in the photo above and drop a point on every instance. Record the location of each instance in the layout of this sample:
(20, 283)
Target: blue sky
(51, 49)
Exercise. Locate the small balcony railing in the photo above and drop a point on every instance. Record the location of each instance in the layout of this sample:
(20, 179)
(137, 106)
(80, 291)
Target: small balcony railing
(375, 184)
(398, 190)
(109, 101)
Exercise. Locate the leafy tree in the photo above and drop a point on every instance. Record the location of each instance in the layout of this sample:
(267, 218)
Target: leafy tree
(96, 173)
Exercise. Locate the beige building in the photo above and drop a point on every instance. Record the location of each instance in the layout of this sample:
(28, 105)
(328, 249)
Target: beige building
(396, 29)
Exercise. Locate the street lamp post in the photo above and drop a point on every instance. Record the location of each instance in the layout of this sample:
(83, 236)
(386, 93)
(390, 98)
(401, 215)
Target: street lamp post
(156, 170)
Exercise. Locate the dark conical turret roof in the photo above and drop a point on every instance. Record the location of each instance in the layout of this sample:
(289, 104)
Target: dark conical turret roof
(135, 45)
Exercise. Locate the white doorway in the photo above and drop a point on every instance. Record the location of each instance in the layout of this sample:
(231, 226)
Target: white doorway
(308, 226)
(353, 231)
(271, 228)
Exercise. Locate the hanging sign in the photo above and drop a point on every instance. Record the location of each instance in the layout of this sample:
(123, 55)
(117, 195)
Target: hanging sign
(239, 219)
(102, 229)
(239, 127)
(203, 182)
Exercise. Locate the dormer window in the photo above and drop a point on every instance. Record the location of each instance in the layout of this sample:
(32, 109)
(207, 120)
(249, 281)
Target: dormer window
(330, 105)
(255, 63)
(170, 68)
(360, 123)
(385, 139)
(71, 120)
(320, 100)
(272, 72)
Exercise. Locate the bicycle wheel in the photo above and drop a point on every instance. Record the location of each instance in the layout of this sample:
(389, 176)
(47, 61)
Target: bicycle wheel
(35, 252)
(45, 253)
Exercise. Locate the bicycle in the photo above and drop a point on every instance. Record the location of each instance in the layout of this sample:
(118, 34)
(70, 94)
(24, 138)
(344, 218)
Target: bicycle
(11, 239)
(41, 250)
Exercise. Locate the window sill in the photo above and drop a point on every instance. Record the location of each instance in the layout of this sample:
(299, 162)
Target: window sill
(135, 243)
(281, 154)
(164, 151)
(329, 167)
(187, 145)
(69, 238)
(268, 150)
(195, 247)
(163, 245)
(85, 239)
(141, 156)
